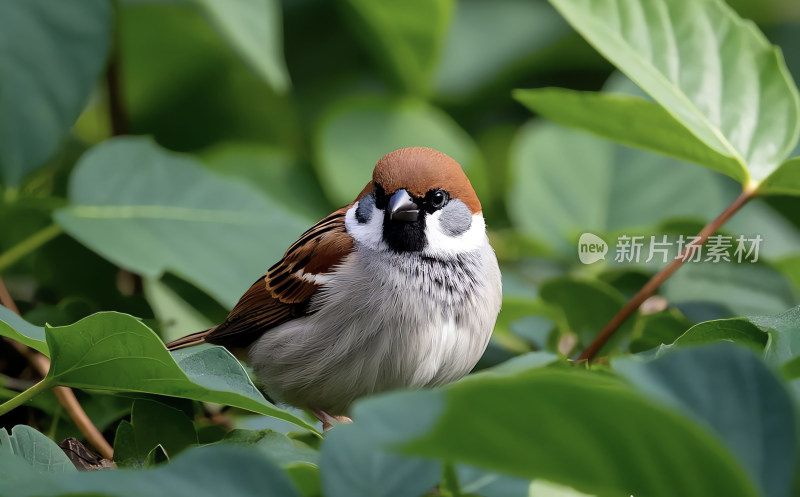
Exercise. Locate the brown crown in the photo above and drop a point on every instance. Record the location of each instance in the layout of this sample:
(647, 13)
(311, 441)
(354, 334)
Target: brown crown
(419, 170)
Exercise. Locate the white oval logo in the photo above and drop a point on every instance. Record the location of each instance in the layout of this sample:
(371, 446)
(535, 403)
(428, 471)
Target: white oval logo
(591, 248)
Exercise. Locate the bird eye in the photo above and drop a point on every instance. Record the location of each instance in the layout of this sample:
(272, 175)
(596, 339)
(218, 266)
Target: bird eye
(438, 199)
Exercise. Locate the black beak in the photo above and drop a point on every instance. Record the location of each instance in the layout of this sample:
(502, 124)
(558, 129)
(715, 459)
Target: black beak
(402, 207)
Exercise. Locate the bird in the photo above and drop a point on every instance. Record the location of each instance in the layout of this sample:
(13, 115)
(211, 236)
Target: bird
(398, 290)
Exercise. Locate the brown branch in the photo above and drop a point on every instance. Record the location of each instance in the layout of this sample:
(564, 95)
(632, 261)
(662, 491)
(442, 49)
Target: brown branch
(651, 286)
(65, 395)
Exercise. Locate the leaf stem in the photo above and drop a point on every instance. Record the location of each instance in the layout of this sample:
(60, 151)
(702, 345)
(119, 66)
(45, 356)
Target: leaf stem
(28, 245)
(651, 286)
(25, 396)
(65, 395)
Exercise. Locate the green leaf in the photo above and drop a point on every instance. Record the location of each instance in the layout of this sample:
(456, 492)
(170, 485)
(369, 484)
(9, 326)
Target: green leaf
(630, 121)
(778, 337)
(652, 330)
(476, 481)
(126, 451)
(599, 434)
(112, 351)
(298, 459)
(152, 425)
(403, 37)
(50, 55)
(275, 172)
(254, 29)
(589, 185)
(38, 451)
(730, 390)
(16, 328)
(754, 117)
(176, 317)
(356, 132)
(156, 456)
(149, 210)
(784, 181)
(790, 266)
(103, 408)
(354, 465)
(213, 470)
(162, 87)
(782, 329)
(588, 305)
(502, 34)
(277, 447)
(738, 330)
(744, 289)
(791, 369)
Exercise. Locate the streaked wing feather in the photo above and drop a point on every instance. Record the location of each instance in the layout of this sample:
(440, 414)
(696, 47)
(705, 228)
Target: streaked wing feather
(283, 293)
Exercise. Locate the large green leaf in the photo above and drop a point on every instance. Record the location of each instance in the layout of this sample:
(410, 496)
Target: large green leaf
(205, 471)
(737, 330)
(403, 37)
(778, 336)
(476, 481)
(151, 211)
(631, 121)
(785, 180)
(356, 132)
(177, 318)
(298, 459)
(152, 424)
(38, 451)
(354, 465)
(254, 29)
(277, 447)
(277, 173)
(790, 266)
(743, 288)
(730, 390)
(586, 184)
(582, 430)
(714, 73)
(16, 328)
(502, 34)
(112, 351)
(652, 330)
(588, 305)
(187, 87)
(50, 55)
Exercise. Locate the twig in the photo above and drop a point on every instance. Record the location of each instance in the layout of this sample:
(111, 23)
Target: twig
(65, 395)
(660, 277)
(28, 245)
(6, 300)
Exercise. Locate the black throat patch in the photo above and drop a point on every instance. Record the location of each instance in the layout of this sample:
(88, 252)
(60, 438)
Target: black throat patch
(404, 236)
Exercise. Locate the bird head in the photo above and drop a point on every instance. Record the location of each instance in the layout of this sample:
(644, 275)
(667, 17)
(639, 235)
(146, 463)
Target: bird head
(419, 200)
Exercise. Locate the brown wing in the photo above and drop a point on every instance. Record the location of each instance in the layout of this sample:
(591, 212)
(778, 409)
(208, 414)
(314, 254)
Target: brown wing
(283, 293)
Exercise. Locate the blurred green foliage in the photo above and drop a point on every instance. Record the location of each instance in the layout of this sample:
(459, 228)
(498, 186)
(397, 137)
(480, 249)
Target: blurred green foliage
(156, 156)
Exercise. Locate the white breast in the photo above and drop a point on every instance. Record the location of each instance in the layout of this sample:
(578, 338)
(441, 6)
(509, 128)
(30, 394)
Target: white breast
(393, 321)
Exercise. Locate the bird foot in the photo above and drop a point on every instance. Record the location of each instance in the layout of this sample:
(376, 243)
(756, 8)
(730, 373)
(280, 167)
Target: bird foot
(328, 420)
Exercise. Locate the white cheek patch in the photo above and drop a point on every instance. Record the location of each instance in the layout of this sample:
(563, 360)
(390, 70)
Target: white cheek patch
(443, 244)
(369, 234)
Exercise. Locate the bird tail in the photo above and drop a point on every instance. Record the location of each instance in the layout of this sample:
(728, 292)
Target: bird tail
(189, 340)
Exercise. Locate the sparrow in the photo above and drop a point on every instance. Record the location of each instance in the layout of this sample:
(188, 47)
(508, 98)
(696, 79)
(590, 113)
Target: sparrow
(398, 290)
